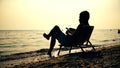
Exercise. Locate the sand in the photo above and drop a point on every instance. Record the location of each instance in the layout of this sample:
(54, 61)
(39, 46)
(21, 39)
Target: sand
(103, 57)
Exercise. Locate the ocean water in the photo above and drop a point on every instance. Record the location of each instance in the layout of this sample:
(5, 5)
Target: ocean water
(18, 41)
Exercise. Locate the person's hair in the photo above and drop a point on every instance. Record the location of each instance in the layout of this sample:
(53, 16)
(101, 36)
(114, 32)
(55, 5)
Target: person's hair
(84, 15)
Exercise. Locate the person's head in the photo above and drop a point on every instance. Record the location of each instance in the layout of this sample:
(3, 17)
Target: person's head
(84, 17)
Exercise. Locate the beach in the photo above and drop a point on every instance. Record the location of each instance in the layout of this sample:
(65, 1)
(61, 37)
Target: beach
(103, 57)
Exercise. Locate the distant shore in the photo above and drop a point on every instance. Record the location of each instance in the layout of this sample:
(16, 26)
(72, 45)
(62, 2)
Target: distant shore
(101, 58)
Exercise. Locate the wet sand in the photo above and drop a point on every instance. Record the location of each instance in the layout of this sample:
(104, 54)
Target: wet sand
(103, 57)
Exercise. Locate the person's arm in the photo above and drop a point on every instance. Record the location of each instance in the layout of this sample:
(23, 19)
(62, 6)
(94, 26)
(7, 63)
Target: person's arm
(70, 31)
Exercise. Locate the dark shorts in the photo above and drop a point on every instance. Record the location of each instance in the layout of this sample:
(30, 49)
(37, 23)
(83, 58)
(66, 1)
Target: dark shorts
(63, 39)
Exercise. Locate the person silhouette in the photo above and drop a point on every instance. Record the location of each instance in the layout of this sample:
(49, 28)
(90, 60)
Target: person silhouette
(63, 39)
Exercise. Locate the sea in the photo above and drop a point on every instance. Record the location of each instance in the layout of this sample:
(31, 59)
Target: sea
(20, 41)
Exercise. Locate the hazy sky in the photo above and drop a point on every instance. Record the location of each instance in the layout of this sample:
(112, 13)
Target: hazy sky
(44, 14)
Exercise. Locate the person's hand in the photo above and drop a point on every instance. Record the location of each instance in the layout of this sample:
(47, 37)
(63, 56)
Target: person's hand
(70, 31)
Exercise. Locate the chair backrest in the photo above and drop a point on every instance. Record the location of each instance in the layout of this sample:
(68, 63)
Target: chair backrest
(82, 35)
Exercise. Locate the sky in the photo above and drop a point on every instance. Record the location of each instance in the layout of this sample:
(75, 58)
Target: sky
(45, 14)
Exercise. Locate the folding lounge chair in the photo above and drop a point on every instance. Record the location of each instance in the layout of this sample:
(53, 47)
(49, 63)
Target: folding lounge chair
(81, 39)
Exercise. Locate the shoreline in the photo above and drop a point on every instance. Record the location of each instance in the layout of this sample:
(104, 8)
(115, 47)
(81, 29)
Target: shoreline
(40, 58)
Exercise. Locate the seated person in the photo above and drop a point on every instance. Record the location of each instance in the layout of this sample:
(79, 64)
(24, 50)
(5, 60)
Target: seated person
(65, 39)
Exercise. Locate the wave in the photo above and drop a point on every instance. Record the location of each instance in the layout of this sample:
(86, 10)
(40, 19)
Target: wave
(2, 52)
(109, 40)
(4, 38)
(7, 46)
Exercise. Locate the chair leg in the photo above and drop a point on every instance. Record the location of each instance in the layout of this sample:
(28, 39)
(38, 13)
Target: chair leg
(93, 48)
(82, 49)
(59, 50)
(90, 42)
(92, 45)
(70, 50)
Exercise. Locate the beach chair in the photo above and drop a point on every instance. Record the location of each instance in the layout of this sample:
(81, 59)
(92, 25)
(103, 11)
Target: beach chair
(81, 40)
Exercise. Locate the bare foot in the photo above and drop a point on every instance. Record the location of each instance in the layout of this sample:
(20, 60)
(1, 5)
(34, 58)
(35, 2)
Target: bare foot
(49, 55)
(46, 36)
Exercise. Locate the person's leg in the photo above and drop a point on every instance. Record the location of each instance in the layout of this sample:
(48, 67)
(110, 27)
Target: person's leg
(52, 44)
(55, 31)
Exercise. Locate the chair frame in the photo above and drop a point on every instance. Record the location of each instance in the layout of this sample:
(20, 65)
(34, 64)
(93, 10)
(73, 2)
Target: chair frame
(87, 43)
